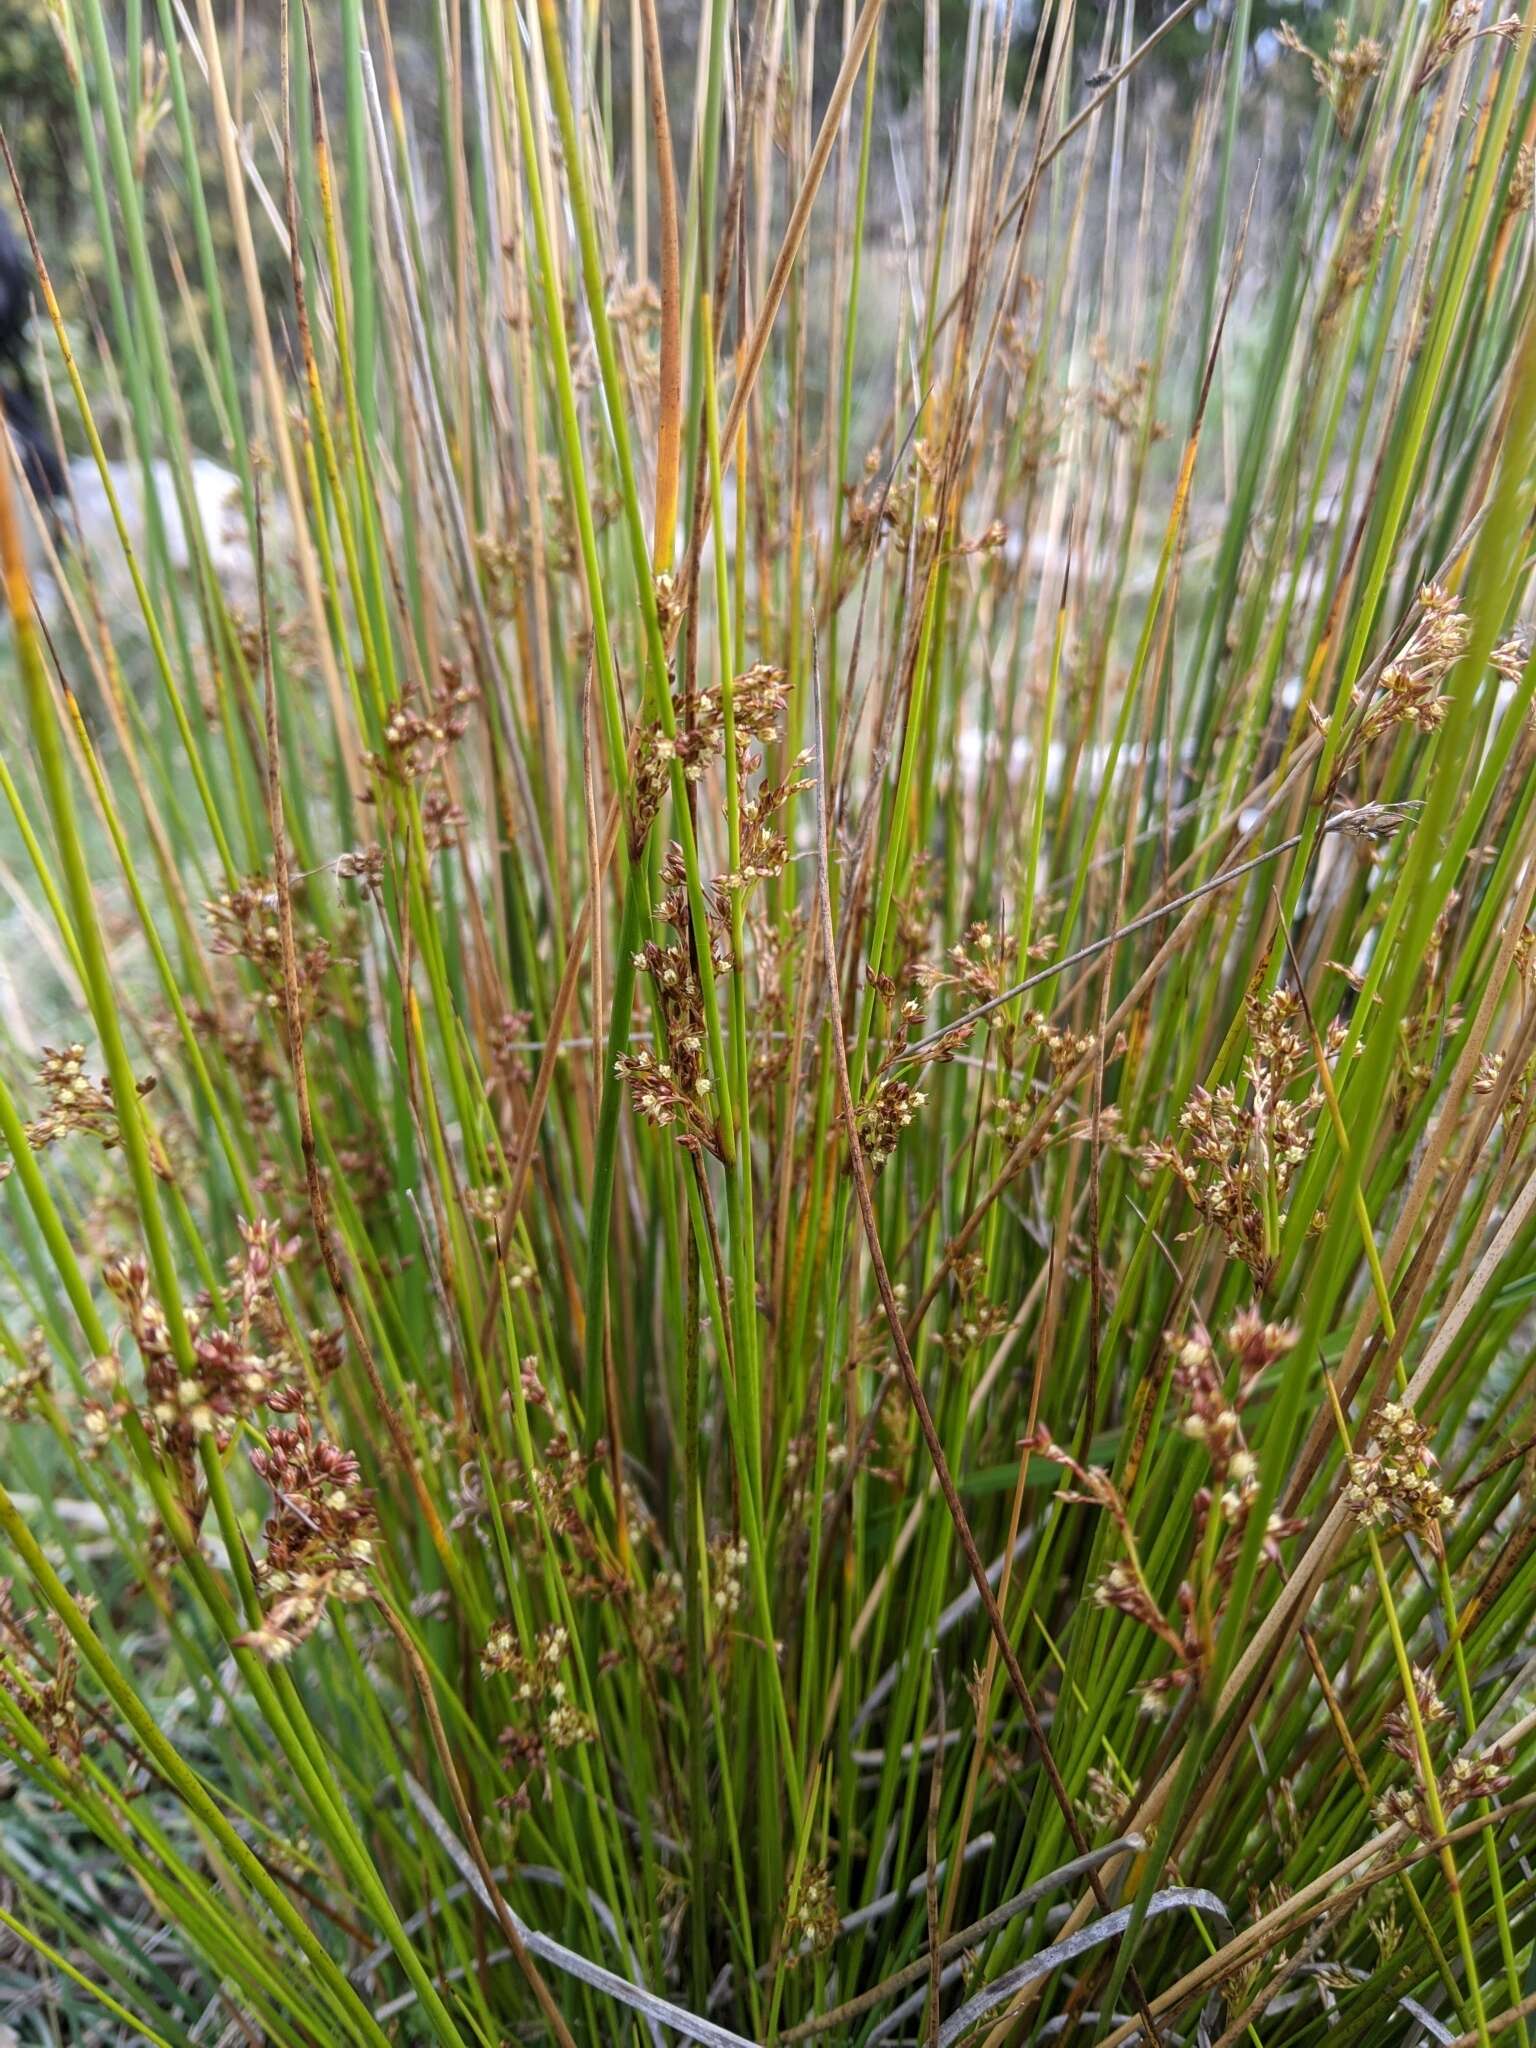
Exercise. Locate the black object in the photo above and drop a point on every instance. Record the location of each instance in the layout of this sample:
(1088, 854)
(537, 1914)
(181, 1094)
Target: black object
(40, 463)
(39, 458)
(15, 296)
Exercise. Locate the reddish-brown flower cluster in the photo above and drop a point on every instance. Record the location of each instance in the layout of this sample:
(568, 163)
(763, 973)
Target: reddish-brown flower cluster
(1213, 1399)
(1479, 1774)
(319, 1535)
(236, 1369)
(246, 925)
(1240, 1154)
(672, 1090)
(44, 1692)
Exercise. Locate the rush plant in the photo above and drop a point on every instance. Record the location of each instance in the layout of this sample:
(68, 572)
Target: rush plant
(768, 1048)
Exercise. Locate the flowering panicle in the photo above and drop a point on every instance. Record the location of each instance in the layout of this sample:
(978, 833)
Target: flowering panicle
(764, 849)
(245, 926)
(1468, 1775)
(872, 512)
(45, 1694)
(236, 1369)
(1124, 1586)
(671, 1087)
(1240, 1157)
(1392, 1484)
(1344, 75)
(1462, 22)
(319, 1535)
(868, 508)
(811, 1920)
(758, 699)
(76, 1103)
(1118, 396)
(1212, 1400)
(982, 964)
(421, 728)
(1409, 690)
(673, 1090)
(546, 1718)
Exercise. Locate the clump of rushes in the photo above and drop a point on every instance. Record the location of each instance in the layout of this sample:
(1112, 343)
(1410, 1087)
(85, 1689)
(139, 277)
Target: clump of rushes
(767, 1175)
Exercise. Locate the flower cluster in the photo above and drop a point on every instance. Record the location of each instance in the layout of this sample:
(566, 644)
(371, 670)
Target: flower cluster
(1064, 1049)
(48, 1700)
(245, 925)
(657, 1621)
(365, 866)
(764, 848)
(811, 1922)
(507, 1048)
(1467, 1776)
(1409, 690)
(1213, 1401)
(1344, 74)
(655, 753)
(75, 1103)
(319, 1535)
(758, 698)
(1463, 20)
(235, 1369)
(1240, 1157)
(882, 1119)
(728, 1571)
(28, 1380)
(981, 963)
(1352, 261)
(672, 1095)
(418, 731)
(672, 1090)
(1522, 181)
(975, 1319)
(1393, 1484)
(501, 1658)
(547, 1720)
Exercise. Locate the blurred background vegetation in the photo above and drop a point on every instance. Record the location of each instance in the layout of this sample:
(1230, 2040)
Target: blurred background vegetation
(44, 86)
